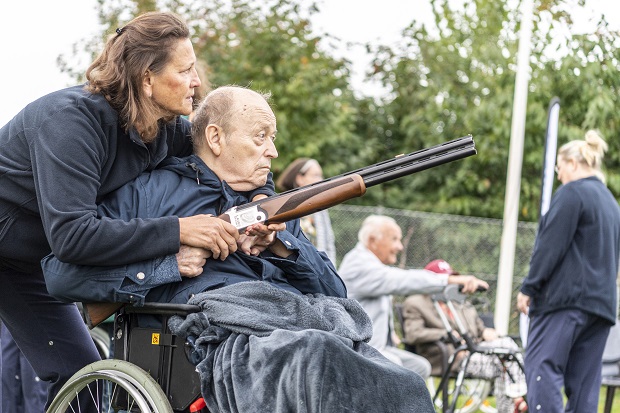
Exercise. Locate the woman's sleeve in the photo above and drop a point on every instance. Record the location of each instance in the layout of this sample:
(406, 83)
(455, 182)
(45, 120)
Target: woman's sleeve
(69, 162)
(555, 235)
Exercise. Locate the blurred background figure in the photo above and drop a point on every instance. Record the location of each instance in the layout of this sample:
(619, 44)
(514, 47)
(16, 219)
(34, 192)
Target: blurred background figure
(22, 390)
(371, 278)
(423, 327)
(318, 226)
(570, 290)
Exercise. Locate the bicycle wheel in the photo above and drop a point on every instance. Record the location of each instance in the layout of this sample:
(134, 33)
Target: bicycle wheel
(471, 397)
(111, 386)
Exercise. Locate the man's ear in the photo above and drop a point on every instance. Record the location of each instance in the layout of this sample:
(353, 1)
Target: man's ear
(214, 138)
(147, 83)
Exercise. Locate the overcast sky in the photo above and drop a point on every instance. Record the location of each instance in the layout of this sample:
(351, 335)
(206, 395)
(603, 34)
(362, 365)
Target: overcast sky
(51, 28)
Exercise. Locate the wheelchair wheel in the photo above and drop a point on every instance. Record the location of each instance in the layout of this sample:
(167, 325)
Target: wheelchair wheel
(101, 338)
(472, 397)
(111, 386)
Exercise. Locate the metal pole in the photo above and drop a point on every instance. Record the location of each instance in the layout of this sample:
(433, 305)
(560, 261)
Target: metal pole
(503, 302)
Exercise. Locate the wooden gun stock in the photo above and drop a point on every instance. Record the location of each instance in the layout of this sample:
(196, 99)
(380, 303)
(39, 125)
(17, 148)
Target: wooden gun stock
(96, 313)
(292, 205)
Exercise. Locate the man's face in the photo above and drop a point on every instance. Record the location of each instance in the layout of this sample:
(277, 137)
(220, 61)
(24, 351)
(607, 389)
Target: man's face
(173, 88)
(387, 243)
(247, 151)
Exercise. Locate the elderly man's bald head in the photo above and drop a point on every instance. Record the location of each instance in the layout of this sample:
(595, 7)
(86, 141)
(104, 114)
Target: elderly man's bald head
(221, 106)
(234, 132)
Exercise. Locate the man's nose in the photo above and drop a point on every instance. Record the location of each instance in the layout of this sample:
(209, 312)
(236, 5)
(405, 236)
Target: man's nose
(271, 151)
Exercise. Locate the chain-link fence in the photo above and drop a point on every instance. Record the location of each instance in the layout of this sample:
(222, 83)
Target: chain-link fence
(471, 245)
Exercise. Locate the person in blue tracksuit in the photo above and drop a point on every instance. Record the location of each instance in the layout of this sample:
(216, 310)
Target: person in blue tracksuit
(570, 291)
(234, 132)
(63, 153)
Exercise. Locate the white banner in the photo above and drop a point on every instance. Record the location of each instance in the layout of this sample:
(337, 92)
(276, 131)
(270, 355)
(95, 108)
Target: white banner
(551, 148)
(548, 179)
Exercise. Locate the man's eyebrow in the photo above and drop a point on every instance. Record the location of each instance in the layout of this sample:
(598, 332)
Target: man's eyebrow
(263, 125)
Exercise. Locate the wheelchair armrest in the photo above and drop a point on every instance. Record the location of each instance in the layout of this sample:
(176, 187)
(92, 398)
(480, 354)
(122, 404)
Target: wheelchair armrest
(162, 309)
(96, 313)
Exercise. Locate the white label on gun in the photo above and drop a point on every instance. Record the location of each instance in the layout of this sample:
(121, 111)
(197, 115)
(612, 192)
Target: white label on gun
(246, 216)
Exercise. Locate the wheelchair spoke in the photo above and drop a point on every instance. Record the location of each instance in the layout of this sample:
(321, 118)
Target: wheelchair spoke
(119, 387)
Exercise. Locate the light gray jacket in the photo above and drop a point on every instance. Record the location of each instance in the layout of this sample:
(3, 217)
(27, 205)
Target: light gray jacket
(372, 283)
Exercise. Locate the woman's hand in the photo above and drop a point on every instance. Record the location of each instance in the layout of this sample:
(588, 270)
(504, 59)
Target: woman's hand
(210, 233)
(191, 260)
(523, 303)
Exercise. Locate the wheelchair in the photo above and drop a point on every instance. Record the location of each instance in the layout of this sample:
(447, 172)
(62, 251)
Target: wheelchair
(459, 390)
(151, 371)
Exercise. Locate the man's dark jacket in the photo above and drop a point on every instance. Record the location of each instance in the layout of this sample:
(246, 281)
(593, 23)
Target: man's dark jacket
(185, 187)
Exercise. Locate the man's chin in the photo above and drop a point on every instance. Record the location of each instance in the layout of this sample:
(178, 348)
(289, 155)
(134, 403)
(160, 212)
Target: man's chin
(249, 185)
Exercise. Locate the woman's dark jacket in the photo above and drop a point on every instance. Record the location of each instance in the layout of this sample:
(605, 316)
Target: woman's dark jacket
(575, 260)
(59, 157)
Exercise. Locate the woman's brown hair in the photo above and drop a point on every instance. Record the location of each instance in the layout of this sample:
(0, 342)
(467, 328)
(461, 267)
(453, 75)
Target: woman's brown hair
(145, 43)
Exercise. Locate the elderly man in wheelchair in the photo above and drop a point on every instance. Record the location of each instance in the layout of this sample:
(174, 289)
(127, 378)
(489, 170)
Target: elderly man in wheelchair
(449, 332)
(268, 327)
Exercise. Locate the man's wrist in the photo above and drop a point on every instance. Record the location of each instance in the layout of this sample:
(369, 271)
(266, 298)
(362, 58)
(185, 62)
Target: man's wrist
(278, 248)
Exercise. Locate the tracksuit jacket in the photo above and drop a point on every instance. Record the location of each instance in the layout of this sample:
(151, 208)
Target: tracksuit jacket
(575, 260)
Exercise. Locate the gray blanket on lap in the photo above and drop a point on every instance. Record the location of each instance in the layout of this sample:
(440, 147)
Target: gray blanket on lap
(262, 349)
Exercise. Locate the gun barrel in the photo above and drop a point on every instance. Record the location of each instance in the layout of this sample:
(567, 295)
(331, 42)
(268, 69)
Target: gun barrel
(417, 165)
(311, 198)
(422, 154)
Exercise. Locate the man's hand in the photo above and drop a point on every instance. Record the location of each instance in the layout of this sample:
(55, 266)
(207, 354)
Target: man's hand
(210, 233)
(523, 303)
(469, 282)
(258, 237)
(191, 260)
(489, 334)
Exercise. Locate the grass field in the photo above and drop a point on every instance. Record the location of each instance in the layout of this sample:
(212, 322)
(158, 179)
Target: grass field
(601, 404)
(614, 409)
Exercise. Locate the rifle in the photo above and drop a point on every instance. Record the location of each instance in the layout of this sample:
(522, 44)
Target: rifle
(312, 198)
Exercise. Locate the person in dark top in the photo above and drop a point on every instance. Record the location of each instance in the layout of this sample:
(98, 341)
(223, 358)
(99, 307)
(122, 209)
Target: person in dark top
(63, 153)
(570, 291)
(317, 226)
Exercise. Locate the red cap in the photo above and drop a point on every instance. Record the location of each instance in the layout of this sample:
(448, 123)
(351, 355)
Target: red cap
(440, 267)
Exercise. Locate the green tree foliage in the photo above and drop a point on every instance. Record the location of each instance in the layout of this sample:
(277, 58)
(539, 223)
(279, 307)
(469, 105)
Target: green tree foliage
(457, 77)
(268, 47)
(448, 78)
